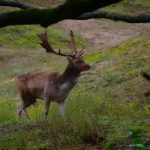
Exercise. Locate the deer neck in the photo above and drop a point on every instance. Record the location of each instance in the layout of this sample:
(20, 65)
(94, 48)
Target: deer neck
(70, 74)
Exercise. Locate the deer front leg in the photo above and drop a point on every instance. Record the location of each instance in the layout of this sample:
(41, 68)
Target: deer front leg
(62, 107)
(47, 105)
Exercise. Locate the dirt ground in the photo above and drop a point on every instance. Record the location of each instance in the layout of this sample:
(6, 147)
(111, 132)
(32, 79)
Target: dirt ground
(104, 33)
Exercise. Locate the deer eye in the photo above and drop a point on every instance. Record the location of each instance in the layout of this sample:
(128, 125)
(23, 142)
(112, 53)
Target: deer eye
(79, 61)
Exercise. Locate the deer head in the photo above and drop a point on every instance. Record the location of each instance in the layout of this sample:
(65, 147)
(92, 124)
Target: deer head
(74, 58)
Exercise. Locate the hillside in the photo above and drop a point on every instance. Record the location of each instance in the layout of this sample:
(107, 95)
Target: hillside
(106, 109)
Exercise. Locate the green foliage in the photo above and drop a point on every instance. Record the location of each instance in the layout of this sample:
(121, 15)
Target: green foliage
(106, 146)
(136, 140)
(95, 57)
(134, 133)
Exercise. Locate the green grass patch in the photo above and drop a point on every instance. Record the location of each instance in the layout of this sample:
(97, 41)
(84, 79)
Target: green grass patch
(26, 37)
(107, 101)
(128, 7)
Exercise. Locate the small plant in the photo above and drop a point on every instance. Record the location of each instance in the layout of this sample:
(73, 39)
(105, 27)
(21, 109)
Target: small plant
(129, 1)
(137, 143)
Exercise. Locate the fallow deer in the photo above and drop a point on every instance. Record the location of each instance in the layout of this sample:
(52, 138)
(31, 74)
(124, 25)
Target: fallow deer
(50, 86)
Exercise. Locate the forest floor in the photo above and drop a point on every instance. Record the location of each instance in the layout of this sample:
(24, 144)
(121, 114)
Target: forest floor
(107, 110)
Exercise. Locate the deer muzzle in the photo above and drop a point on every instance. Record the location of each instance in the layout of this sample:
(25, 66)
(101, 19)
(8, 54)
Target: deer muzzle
(87, 67)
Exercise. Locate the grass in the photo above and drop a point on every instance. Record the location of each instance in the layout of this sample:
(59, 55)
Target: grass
(107, 104)
(130, 7)
(26, 37)
(109, 101)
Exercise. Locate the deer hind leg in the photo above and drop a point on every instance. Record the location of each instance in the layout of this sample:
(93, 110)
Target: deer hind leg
(22, 108)
(26, 102)
(26, 114)
(19, 111)
(29, 101)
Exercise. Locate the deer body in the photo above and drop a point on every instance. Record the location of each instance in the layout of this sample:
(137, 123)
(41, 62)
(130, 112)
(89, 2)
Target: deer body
(49, 86)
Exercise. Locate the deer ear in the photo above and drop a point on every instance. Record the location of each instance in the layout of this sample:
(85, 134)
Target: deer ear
(69, 59)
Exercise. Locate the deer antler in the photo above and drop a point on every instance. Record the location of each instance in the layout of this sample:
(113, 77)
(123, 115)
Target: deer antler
(72, 42)
(46, 45)
(81, 52)
(73, 47)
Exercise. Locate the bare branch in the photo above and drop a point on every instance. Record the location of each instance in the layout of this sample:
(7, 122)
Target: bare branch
(71, 9)
(19, 4)
(114, 16)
